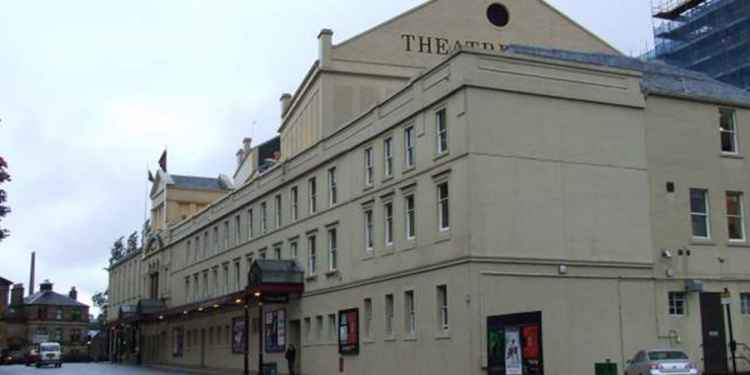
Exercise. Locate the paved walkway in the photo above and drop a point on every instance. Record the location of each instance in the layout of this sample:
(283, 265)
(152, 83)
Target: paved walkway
(107, 369)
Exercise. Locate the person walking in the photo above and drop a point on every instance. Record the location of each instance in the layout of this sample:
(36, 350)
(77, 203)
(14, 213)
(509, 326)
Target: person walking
(290, 355)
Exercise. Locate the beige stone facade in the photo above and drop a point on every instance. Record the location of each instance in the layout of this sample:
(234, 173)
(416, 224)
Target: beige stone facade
(433, 191)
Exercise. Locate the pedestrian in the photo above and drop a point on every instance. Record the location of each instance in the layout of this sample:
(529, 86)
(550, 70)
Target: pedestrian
(290, 355)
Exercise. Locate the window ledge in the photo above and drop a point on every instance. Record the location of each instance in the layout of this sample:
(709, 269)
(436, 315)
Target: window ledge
(443, 336)
(311, 278)
(738, 244)
(731, 155)
(368, 187)
(410, 338)
(390, 339)
(332, 273)
(441, 155)
(409, 169)
(699, 242)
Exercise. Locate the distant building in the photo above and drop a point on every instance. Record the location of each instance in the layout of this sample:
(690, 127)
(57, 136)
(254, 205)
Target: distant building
(44, 316)
(709, 36)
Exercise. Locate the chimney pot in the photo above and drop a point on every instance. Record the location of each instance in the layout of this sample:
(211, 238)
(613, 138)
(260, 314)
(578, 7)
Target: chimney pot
(16, 295)
(73, 294)
(325, 47)
(286, 101)
(247, 144)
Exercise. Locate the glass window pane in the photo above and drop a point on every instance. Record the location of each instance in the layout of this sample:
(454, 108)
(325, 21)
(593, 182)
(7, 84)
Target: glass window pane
(733, 204)
(700, 227)
(697, 201)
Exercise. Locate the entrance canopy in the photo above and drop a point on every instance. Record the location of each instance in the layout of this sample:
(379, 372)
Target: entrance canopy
(275, 277)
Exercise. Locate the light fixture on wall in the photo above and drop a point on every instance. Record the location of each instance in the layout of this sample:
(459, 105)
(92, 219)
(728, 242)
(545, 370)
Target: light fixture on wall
(563, 269)
(666, 253)
(670, 272)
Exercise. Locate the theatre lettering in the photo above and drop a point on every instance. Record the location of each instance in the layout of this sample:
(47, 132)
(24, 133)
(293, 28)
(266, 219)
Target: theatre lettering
(442, 46)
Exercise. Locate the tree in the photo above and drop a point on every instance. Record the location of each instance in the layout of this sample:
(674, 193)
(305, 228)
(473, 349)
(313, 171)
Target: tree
(4, 210)
(118, 250)
(100, 299)
(132, 243)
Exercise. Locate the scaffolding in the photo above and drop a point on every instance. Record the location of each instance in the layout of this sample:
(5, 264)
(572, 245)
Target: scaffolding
(710, 36)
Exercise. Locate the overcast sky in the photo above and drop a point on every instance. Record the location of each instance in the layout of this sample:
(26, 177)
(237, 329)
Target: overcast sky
(92, 91)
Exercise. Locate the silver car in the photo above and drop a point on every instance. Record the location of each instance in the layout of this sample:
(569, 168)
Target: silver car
(661, 362)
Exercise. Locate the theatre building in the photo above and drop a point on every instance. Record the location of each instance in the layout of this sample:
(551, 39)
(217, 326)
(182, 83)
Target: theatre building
(471, 187)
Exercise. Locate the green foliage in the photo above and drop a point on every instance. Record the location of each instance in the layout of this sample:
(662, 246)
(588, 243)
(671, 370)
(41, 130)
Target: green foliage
(4, 210)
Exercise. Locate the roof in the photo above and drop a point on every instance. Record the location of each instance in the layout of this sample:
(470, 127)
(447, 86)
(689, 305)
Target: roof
(51, 298)
(657, 77)
(5, 281)
(198, 183)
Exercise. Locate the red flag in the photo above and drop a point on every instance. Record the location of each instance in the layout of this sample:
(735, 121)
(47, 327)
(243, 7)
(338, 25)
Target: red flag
(163, 161)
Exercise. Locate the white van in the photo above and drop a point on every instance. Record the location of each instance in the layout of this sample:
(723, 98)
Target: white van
(49, 354)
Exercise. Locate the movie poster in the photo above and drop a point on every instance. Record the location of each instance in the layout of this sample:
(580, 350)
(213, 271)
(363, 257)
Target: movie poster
(531, 349)
(513, 360)
(239, 340)
(349, 331)
(275, 331)
(179, 341)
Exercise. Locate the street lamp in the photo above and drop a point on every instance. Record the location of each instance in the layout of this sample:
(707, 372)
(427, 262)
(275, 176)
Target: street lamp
(257, 295)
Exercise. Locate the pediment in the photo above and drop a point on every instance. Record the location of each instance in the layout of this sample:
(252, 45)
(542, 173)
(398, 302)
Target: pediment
(426, 34)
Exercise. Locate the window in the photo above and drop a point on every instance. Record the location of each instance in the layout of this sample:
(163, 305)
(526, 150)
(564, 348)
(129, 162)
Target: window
(699, 213)
(187, 289)
(197, 247)
(312, 261)
(237, 275)
(196, 287)
(226, 234)
(677, 303)
(237, 230)
(312, 190)
(409, 313)
(388, 208)
(319, 327)
(205, 284)
(442, 303)
(368, 317)
(443, 207)
(75, 314)
(735, 222)
(277, 252)
(409, 145)
(293, 249)
(369, 167)
(728, 131)
(277, 210)
(215, 276)
(263, 217)
(411, 217)
(205, 244)
(59, 313)
(332, 326)
(442, 131)
(368, 231)
(225, 268)
(250, 231)
(332, 188)
(294, 203)
(216, 239)
(188, 249)
(75, 336)
(745, 303)
(388, 155)
(389, 314)
(308, 329)
(332, 254)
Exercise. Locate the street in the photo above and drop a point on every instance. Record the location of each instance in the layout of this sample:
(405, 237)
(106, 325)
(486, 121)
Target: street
(82, 369)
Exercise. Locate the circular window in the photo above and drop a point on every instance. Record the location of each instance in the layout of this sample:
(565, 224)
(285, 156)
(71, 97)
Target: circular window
(498, 15)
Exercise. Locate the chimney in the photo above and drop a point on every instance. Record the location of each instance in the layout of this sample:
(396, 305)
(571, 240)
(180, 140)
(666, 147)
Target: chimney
(4, 291)
(286, 101)
(16, 295)
(46, 286)
(240, 157)
(73, 294)
(247, 143)
(325, 47)
(31, 277)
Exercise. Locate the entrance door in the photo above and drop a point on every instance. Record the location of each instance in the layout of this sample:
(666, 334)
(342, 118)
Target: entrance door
(714, 339)
(295, 338)
(203, 347)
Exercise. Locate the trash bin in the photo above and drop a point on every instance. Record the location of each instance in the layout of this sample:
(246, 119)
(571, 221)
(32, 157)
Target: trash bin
(605, 368)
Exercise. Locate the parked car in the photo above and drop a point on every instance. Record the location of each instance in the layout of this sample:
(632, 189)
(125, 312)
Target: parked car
(12, 357)
(32, 357)
(49, 354)
(661, 362)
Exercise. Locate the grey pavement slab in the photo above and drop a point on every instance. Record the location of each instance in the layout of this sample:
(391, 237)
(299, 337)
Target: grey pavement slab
(89, 369)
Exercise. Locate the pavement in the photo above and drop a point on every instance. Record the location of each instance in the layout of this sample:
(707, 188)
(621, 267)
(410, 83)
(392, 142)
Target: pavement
(97, 369)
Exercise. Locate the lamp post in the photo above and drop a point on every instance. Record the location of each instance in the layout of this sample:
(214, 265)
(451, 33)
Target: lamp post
(260, 333)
